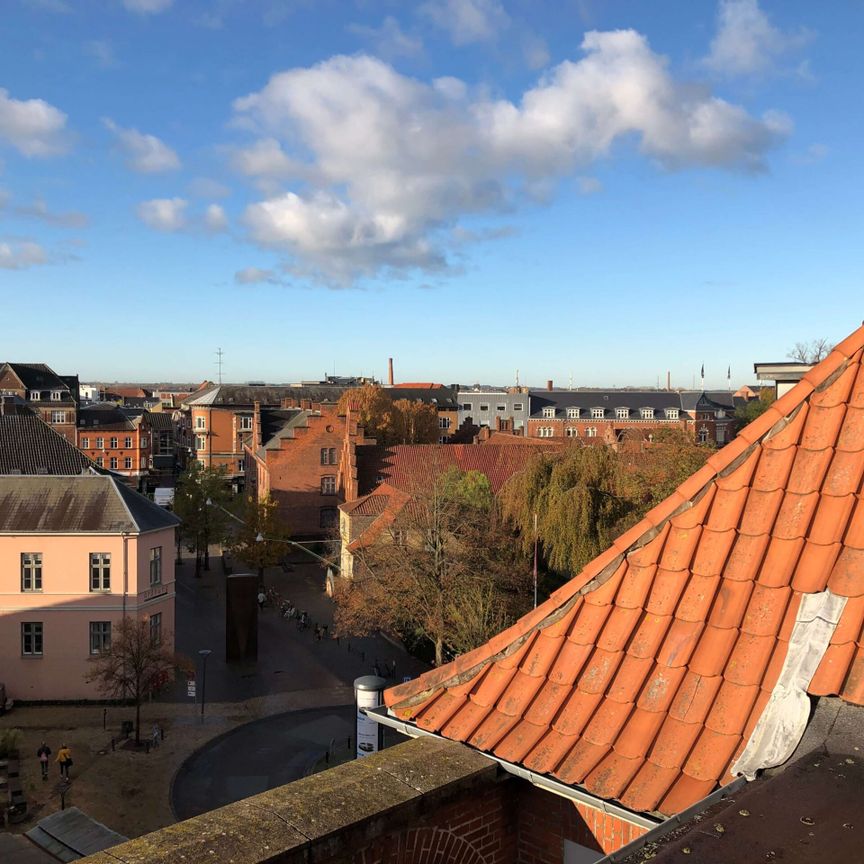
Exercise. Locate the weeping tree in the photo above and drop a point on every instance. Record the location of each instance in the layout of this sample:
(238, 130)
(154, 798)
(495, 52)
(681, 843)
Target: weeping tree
(446, 569)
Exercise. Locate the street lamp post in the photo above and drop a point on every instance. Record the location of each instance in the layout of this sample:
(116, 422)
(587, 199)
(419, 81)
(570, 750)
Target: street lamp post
(204, 653)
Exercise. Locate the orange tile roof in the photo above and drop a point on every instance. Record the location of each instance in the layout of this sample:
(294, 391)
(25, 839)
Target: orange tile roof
(642, 679)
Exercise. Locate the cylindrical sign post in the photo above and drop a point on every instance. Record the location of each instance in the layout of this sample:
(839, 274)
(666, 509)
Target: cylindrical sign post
(368, 693)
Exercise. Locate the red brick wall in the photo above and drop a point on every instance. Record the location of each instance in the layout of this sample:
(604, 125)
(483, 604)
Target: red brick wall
(476, 829)
(546, 820)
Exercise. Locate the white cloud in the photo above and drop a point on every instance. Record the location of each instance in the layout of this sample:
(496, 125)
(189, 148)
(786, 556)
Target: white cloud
(206, 187)
(535, 51)
(39, 210)
(164, 214)
(747, 42)
(146, 154)
(256, 275)
(588, 185)
(32, 126)
(266, 158)
(215, 219)
(391, 162)
(147, 7)
(389, 40)
(102, 52)
(21, 254)
(467, 21)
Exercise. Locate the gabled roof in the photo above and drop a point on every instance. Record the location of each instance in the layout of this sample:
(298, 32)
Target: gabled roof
(408, 466)
(431, 394)
(30, 446)
(246, 395)
(85, 503)
(37, 376)
(643, 678)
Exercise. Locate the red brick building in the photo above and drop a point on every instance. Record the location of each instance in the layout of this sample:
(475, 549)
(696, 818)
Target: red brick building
(295, 456)
(55, 398)
(119, 439)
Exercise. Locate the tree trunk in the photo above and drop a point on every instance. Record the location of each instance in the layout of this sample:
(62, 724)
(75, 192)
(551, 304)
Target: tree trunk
(439, 651)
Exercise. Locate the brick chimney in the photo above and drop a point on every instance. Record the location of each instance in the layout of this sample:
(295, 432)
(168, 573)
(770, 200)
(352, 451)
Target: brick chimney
(390, 381)
(256, 425)
(549, 384)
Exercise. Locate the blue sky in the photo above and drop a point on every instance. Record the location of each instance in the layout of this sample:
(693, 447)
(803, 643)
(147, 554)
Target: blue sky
(599, 189)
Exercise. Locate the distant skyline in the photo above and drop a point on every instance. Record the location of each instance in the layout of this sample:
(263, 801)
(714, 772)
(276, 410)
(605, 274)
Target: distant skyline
(604, 189)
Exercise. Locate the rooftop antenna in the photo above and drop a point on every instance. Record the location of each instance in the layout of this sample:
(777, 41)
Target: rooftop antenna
(517, 377)
(219, 355)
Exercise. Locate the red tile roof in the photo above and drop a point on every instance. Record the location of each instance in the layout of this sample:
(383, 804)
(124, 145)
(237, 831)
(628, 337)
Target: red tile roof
(642, 678)
(406, 466)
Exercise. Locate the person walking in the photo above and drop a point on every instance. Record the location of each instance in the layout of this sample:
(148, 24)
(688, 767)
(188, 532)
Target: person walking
(262, 599)
(155, 735)
(64, 757)
(43, 753)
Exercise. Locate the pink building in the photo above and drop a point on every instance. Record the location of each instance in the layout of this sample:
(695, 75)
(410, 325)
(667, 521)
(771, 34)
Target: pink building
(77, 553)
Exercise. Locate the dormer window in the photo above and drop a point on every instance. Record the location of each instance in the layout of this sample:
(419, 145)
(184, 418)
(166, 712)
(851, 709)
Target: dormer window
(622, 413)
(597, 413)
(572, 413)
(35, 395)
(549, 413)
(56, 395)
(720, 414)
(647, 413)
(671, 413)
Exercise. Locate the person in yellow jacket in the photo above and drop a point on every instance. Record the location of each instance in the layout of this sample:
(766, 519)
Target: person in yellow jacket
(64, 757)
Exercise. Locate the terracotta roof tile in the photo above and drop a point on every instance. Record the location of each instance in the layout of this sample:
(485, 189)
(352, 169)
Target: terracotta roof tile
(646, 688)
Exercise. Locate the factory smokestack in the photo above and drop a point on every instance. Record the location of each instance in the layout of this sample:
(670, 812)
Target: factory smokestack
(549, 384)
(668, 379)
(390, 381)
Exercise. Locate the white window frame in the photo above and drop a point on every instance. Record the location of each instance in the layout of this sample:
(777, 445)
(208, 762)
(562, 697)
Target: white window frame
(127, 463)
(647, 413)
(467, 406)
(443, 422)
(245, 424)
(85, 443)
(622, 413)
(549, 413)
(328, 484)
(200, 422)
(127, 442)
(572, 432)
(100, 637)
(572, 413)
(56, 396)
(591, 432)
(113, 463)
(100, 572)
(100, 442)
(155, 560)
(598, 413)
(35, 396)
(518, 406)
(672, 413)
(31, 572)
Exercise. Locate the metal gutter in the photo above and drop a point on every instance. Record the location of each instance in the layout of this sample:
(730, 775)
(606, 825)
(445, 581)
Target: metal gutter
(674, 822)
(381, 715)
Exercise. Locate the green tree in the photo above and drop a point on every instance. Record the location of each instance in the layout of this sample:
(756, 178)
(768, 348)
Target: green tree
(446, 570)
(753, 408)
(199, 499)
(134, 667)
(260, 539)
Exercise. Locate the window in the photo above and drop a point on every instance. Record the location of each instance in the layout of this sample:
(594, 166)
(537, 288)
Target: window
(517, 406)
(545, 432)
(127, 442)
(200, 442)
(720, 413)
(31, 571)
(703, 435)
(671, 413)
(112, 463)
(127, 462)
(572, 413)
(721, 434)
(143, 441)
(328, 456)
(549, 412)
(166, 448)
(597, 413)
(467, 406)
(591, 432)
(100, 443)
(443, 422)
(112, 442)
(100, 637)
(31, 638)
(328, 485)
(647, 413)
(85, 443)
(156, 565)
(100, 571)
(58, 416)
(241, 466)
(501, 407)
(622, 413)
(200, 423)
(100, 461)
(245, 424)
(56, 395)
(156, 628)
(328, 518)
(484, 407)
(35, 395)
(572, 432)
